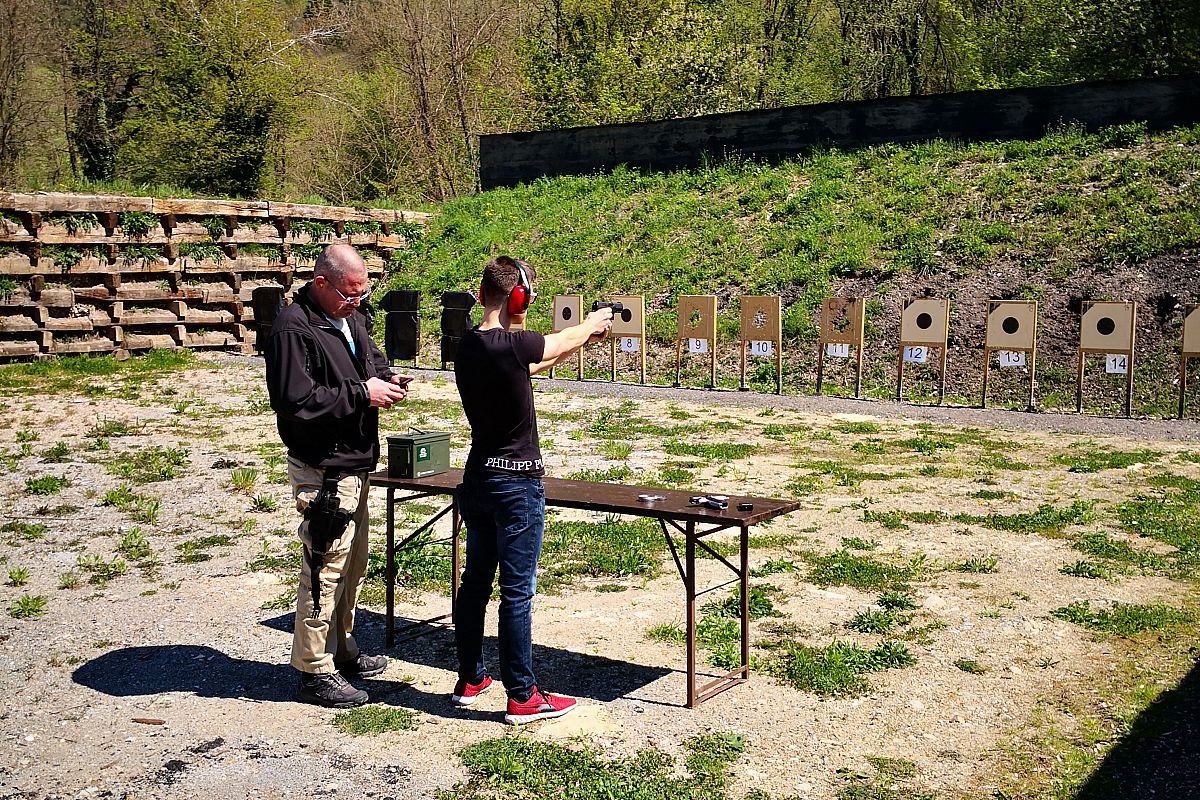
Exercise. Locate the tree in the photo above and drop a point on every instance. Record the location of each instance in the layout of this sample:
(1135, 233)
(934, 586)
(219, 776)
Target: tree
(1135, 38)
(219, 94)
(19, 49)
(106, 58)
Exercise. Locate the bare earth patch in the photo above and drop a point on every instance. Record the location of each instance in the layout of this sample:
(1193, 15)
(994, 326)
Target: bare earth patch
(169, 678)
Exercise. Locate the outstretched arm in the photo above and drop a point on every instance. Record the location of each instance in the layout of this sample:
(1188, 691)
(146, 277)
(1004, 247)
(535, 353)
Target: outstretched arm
(594, 326)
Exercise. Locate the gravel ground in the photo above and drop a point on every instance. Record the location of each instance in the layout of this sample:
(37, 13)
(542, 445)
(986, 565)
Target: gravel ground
(173, 683)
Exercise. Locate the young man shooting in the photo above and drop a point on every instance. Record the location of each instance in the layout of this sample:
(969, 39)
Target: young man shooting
(501, 496)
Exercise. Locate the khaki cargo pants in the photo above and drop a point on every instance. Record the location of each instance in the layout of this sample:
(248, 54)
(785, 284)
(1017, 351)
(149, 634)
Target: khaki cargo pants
(318, 642)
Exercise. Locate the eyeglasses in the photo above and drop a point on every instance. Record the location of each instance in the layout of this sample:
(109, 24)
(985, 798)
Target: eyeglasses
(356, 299)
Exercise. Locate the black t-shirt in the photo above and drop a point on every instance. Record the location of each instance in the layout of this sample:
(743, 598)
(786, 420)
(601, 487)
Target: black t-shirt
(492, 372)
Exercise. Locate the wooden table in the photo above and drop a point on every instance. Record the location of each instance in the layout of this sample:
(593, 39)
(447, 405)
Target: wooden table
(682, 522)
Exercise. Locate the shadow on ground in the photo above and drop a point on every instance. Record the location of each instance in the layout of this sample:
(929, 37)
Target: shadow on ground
(198, 669)
(1159, 759)
(207, 672)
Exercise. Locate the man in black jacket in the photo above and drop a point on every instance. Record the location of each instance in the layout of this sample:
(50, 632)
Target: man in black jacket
(327, 381)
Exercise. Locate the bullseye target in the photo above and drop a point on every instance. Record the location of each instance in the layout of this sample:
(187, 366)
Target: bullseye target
(1011, 332)
(1011, 325)
(1107, 327)
(630, 321)
(924, 325)
(567, 311)
(925, 321)
(628, 334)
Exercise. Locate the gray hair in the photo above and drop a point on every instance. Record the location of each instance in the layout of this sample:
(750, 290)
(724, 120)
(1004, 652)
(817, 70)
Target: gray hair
(338, 261)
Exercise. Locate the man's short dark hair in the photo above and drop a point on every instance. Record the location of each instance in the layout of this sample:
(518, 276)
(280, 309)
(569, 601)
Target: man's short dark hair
(500, 276)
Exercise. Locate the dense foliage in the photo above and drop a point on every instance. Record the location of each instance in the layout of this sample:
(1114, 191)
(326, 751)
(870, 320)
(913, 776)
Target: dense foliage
(354, 101)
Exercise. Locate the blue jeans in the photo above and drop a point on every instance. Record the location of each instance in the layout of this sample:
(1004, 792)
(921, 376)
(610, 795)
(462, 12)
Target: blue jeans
(505, 517)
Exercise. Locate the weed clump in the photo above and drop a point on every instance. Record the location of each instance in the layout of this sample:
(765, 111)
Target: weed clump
(1123, 619)
(843, 568)
(374, 720)
(839, 668)
(516, 767)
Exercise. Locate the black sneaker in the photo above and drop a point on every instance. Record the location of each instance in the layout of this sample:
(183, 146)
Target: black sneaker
(362, 667)
(332, 691)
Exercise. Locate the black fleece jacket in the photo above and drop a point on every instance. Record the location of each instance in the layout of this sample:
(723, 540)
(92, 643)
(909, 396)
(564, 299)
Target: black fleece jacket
(318, 388)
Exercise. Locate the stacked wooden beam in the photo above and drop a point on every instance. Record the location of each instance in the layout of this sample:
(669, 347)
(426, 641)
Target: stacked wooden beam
(100, 273)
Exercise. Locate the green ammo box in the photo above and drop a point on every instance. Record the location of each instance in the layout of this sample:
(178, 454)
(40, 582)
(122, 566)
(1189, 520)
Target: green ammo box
(418, 454)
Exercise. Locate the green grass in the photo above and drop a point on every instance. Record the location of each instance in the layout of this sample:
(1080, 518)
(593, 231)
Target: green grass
(1166, 514)
(837, 670)
(843, 568)
(289, 561)
(286, 600)
(890, 520)
(617, 451)
(610, 549)
(24, 531)
(873, 620)
(773, 567)
(70, 374)
(675, 474)
(374, 719)
(993, 494)
(924, 517)
(970, 665)
(857, 543)
(1048, 519)
(668, 632)
(243, 479)
(263, 503)
(846, 475)
(58, 453)
(1086, 569)
(1123, 619)
(134, 545)
(196, 550)
(149, 464)
(619, 474)
(1119, 553)
(28, 606)
(519, 768)
(1098, 460)
(711, 451)
(758, 603)
(422, 564)
(46, 484)
(112, 427)
(982, 565)
(993, 460)
(100, 572)
(141, 507)
(897, 601)
(857, 427)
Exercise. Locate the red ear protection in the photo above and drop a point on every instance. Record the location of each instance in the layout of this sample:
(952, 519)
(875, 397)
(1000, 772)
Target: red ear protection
(521, 294)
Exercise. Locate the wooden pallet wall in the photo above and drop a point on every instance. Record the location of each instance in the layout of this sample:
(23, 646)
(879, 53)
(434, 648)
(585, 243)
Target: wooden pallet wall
(101, 273)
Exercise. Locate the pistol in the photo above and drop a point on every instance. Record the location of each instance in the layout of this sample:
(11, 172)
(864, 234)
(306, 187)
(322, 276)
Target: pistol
(616, 306)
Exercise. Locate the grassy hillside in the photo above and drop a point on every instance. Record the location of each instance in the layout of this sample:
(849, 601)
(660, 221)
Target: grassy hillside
(1112, 215)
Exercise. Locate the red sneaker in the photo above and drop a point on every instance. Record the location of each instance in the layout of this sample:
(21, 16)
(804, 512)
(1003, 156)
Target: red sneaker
(467, 693)
(540, 705)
